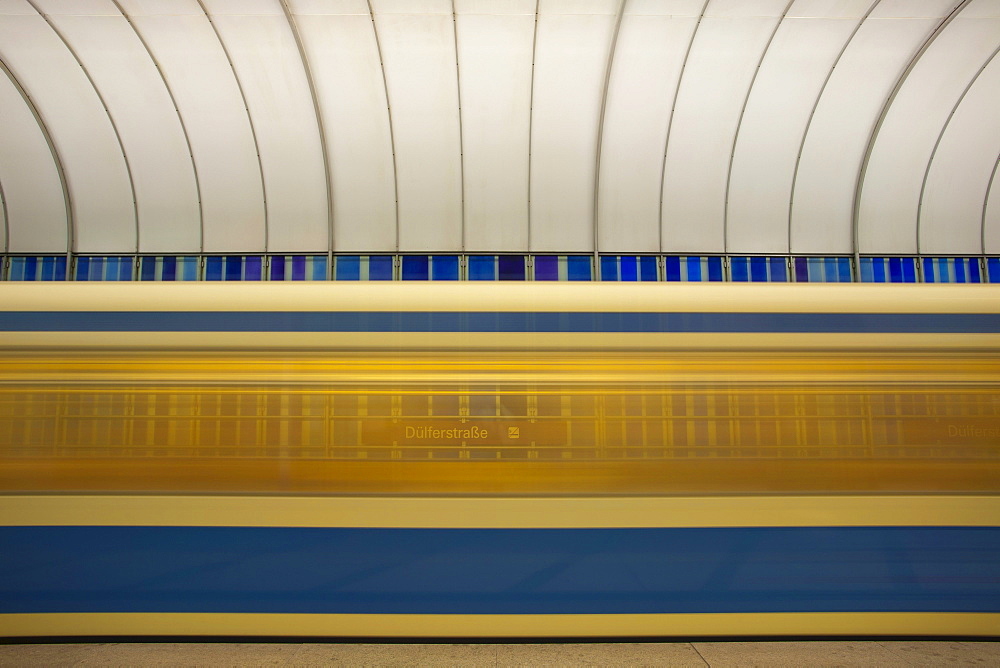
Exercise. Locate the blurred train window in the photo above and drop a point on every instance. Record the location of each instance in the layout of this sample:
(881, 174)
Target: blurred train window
(168, 268)
(496, 267)
(47, 268)
(430, 267)
(888, 270)
(759, 269)
(629, 268)
(564, 268)
(363, 267)
(951, 270)
(233, 268)
(823, 270)
(103, 268)
(298, 268)
(993, 269)
(692, 268)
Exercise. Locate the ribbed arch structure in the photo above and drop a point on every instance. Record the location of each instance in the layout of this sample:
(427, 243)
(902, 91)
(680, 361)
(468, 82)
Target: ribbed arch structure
(500, 126)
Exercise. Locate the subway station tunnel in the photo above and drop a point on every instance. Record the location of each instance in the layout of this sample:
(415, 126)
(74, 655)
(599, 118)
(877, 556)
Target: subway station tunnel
(499, 317)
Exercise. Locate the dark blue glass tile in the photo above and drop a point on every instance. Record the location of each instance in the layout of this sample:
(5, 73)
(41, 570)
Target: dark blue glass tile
(348, 268)
(694, 269)
(415, 268)
(738, 266)
(715, 269)
(253, 268)
(546, 268)
(993, 269)
(147, 269)
(482, 268)
(844, 269)
(511, 267)
(909, 270)
(609, 268)
(277, 270)
(758, 269)
(629, 270)
(672, 267)
(213, 268)
(30, 268)
(59, 271)
(929, 276)
(802, 270)
(298, 267)
(647, 268)
(444, 267)
(125, 267)
(169, 272)
(380, 267)
(779, 270)
(974, 275)
(578, 268)
(82, 269)
(959, 269)
(895, 270)
(96, 269)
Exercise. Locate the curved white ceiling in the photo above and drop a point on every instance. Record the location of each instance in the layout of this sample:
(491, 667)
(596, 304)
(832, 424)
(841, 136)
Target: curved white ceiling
(702, 126)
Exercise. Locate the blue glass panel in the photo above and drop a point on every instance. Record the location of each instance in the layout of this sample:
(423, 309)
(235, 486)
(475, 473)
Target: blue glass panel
(125, 267)
(511, 267)
(866, 270)
(30, 268)
(974, 274)
(277, 270)
(348, 268)
(694, 269)
(647, 268)
(482, 268)
(546, 268)
(993, 269)
(779, 270)
(380, 267)
(672, 268)
(844, 269)
(738, 266)
(234, 267)
(802, 269)
(253, 268)
(147, 269)
(319, 267)
(415, 268)
(298, 267)
(190, 265)
(895, 270)
(929, 276)
(909, 270)
(578, 268)
(758, 269)
(97, 269)
(169, 268)
(629, 270)
(82, 268)
(715, 269)
(48, 269)
(609, 268)
(444, 267)
(959, 264)
(213, 268)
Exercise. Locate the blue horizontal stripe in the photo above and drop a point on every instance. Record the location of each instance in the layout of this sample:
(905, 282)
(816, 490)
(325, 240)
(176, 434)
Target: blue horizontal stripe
(491, 321)
(503, 571)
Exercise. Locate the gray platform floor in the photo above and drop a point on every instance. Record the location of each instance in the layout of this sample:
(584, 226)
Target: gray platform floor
(714, 654)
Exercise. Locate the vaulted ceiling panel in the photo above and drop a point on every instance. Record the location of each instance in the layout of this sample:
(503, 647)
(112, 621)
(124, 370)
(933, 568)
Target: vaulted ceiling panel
(725, 53)
(421, 73)
(262, 48)
(890, 194)
(151, 133)
(103, 213)
(495, 39)
(845, 117)
(342, 52)
(649, 55)
(201, 79)
(791, 76)
(33, 195)
(572, 47)
(958, 177)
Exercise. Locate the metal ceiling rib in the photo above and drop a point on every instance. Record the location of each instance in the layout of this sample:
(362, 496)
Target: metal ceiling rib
(600, 130)
(461, 134)
(531, 115)
(388, 108)
(986, 201)
(60, 169)
(6, 226)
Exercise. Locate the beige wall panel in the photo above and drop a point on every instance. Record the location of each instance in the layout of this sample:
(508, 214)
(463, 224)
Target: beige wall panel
(104, 217)
(647, 64)
(418, 53)
(151, 132)
(36, 213)
(789, 80)
(835, 144)
(195, 66)
(266, 59)
(951, 214)
(347, 73)
(571, 56)
(495, 40)
(890, 193)
(719, 70)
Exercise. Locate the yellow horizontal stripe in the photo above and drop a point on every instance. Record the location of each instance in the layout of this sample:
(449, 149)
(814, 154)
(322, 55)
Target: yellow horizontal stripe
(334, 625)
(483, 512)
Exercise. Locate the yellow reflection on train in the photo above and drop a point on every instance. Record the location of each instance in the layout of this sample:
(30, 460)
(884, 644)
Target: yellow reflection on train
(580, 423)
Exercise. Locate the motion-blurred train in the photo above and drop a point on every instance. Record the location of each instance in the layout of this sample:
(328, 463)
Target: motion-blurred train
(499, 460)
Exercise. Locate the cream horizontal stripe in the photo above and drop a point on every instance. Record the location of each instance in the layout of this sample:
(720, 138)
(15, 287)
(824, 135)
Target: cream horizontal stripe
(472, 296)
(487, 512)
(334, 625)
